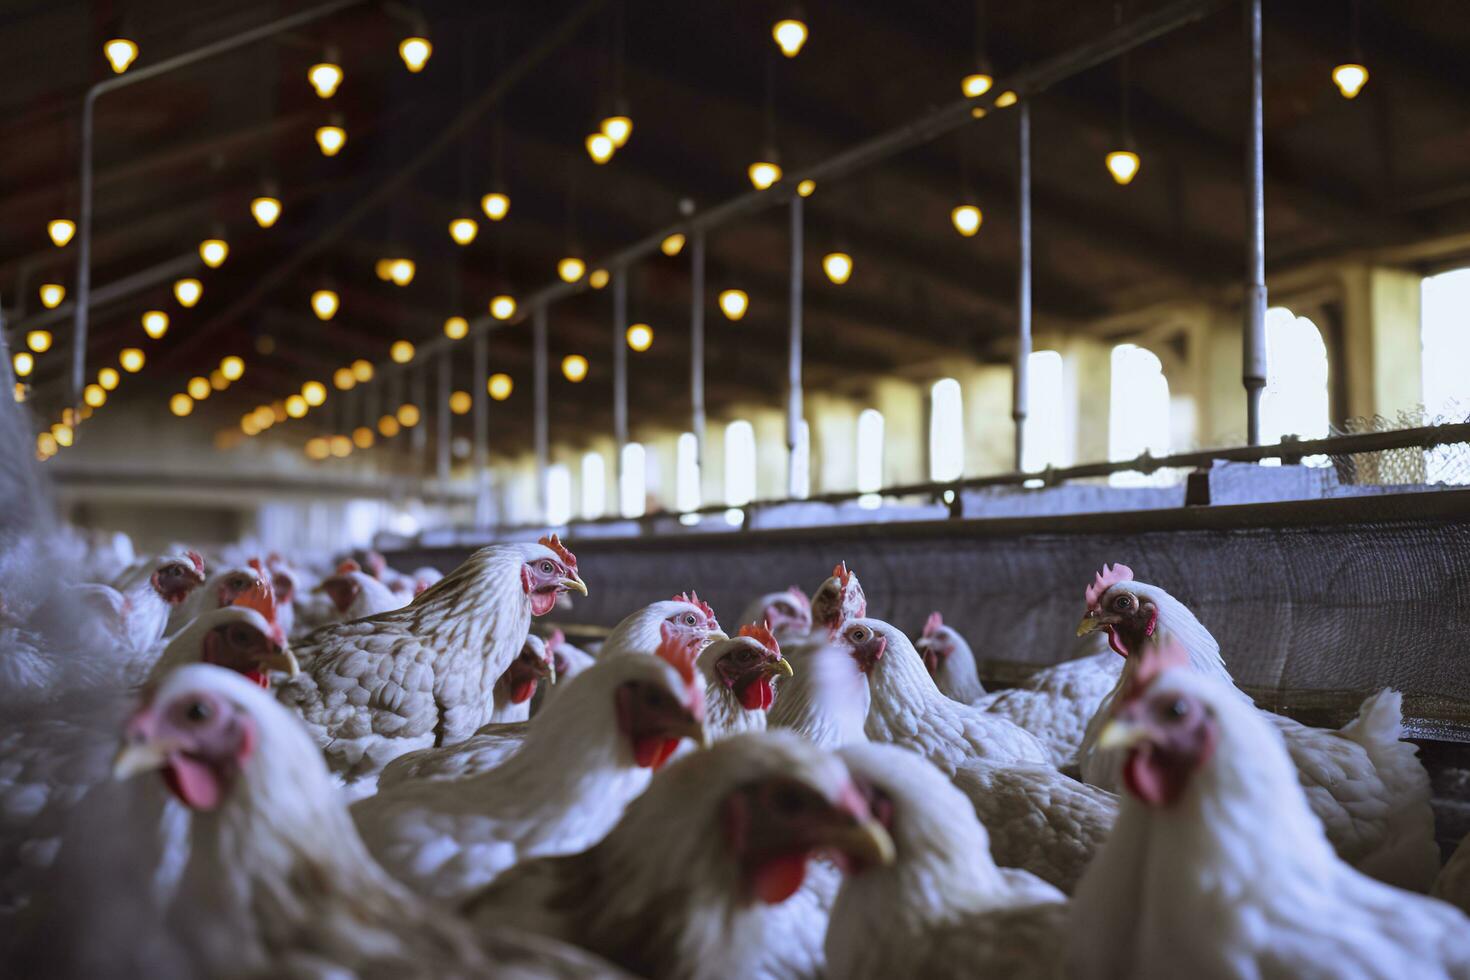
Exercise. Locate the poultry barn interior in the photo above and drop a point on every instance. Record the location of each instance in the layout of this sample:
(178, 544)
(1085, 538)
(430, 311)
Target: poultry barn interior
(1051, 422)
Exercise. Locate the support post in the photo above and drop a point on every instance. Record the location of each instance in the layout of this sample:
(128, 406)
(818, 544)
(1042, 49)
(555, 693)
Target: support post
(482, 431)
(1253, 372)
(418, 393)
(696, 347)
(1021, 390)
(444, 418)
(540, 427)
(793, 354)
(620, 372)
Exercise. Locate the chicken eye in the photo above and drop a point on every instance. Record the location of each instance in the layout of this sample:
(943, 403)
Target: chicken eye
(788, 800)
(653, 696)
(1123, 602)
(240, 636)
(858, 635)
(548, 568)
(1177, 709)
(745, 655)
(197, 711)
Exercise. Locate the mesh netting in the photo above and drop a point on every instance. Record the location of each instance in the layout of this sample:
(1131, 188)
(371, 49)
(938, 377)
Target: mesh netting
(1447, 464)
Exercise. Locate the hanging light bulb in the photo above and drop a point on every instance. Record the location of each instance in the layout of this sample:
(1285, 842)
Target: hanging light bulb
(574, 367)
(1350, 78)
(108, 378)
(600, 147)
(496, 205)
(790, 35)
(672, 245)
(640, 337)
(45, 443)
(155, 324)
(967, 219)
(325, 77)
(503, 307)
(463, 230)
(324, 303)
(331, 138)
(408, 415)
(1123, 165)
(618, 127)
(265, 210)
(384, 269)
(499, 387)
(764, 173)
(317, 448)
(296, 407)
(456, 328)
(343, 379)
(460, 402)
(62, 433)
(598, 279)
(401, 352)
(232, 367)
(976, 84)
(314, 392)
(734, 303)
(341, 446)
(181, 404)
(388, 426)
(214, 251)
(806, 188)
(217, 380)
(188, 291)
(61, 230)
(362, 370)
(838, 266)
(362, 437)
(401, 271)
(94, 396)
(1006, 99)
(120, 52)
(52, 294)
(571, 269)
(198, 388)
(39, 341)
(131, 359)
(415, 52)
(24, 362)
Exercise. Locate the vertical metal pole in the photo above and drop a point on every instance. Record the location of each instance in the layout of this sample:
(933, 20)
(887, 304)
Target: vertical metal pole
(441, 447)
(793, 354)
(1021, 392)
(482, 431)
(84, 258)
(620, 372)
(540, 427)
(696, 347)
(1253, 371)
(418, 393)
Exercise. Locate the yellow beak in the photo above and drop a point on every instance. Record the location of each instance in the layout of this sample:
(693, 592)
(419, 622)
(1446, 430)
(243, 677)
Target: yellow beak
(574, 584)
(867, 841)
(136, 757)
(1121, 734)
(1089, 624)
(782, 666)
(283, 660)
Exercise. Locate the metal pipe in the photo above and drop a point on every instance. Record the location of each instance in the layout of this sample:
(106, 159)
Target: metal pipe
(620, 372)
(444, 418)
(696, 347)
(1253, 371)
(481, 357)
(540, 427)
(793, 353)
(1021, 391)
(418, 393)
(89, 107)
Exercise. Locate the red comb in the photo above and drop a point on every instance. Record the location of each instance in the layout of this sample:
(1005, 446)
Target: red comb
(1151, 660)
(694, 600)
(840, 572)
(348, 566)
(680, 651)
(801, 597)
(933, 624)
(259, 568)
(196, 560)
(1110, 576)
(261, 597)
(761, 633)
(554, 543)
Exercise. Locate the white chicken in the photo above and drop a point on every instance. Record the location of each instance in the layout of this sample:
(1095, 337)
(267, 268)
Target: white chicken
(245, 636)
(738, 673)
(1453, 883)
(1218, 867)
(219, 590)
(567, 661)
(698, 879)
(518, 685)
(424, 675)
(788, 614)
(355, 594)
(1365, 784)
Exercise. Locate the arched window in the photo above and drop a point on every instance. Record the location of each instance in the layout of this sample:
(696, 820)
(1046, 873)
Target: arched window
(1138, 412)
(1444, 335)
(594, 486)
(870, 456)
(686, 466)
(633, 485)
(1295, 399)
(739, 463)
(1045, 442)
(946, 431)
(558, 494)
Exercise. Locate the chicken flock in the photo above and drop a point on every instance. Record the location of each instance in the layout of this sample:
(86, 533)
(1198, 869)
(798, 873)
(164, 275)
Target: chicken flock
(255, 767)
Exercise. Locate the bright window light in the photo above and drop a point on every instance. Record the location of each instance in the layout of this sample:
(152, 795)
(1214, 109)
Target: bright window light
(633, 488)
(1138, 413)
(558, 494)
(801, 477)
(1445, 336)
(1045, 442)
(594, 486)
(1295, 399)
(870, 456)
(739, 463)
(686, 467)
(946, 431)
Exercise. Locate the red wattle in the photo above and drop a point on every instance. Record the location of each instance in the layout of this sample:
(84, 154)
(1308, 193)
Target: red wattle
(776, 879)
(931, 662)
(1116, 643)
(757, 695)
(542, 603)
(259, 677)
(192, 782)
(523, 691)
(1147, 779)
(646, 749)
(664, 751)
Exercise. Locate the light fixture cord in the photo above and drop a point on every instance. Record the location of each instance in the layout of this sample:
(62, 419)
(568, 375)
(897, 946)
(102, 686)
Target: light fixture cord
(770, 106)
(1123, 83)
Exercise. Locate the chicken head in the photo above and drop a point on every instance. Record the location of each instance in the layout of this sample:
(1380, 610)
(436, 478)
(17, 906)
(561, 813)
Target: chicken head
(1168, 736)
(198, 740)
(747, 663)
(547, 576)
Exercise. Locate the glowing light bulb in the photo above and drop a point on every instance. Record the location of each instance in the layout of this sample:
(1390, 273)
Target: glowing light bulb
(296, 407)
(734, 303)
(24, 362)
(131, 359)
(362, 437)
(52, 295)
(503, 307)
(401, 352)
(763, 174)
(217, 380)
(600, 147)
(495, 205)
(314, 392)
(806, 188)
(324, 303)
(108, 378)
(39, 341)
(155, 324)
(790, 35)
(456, 327)
(1123, 165)
(617, 129)
(499, 387)
(408, 415)
(1350, 79)
(325, 77)
(384, 269)
(46, 444)
(640, 337)
(571, 269)
(1006, 99)
(317, 448)
(214, 251)
(415, 52)
(362, 370)
(96, 397)
(463, 230)
(461, 402)
(198, 388)
(61, 230)
(343, 379)
(331, 139)
(232, 367)
(967, 219)
(838, 266)
(120, 53)
(181, 404)
(265, 210)
(341, 447)
(574, 367)
(188, 291)
(598, 279)
(62, 433)
(672, 245)
(388, 426)
(976, 85)
(401, 271)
